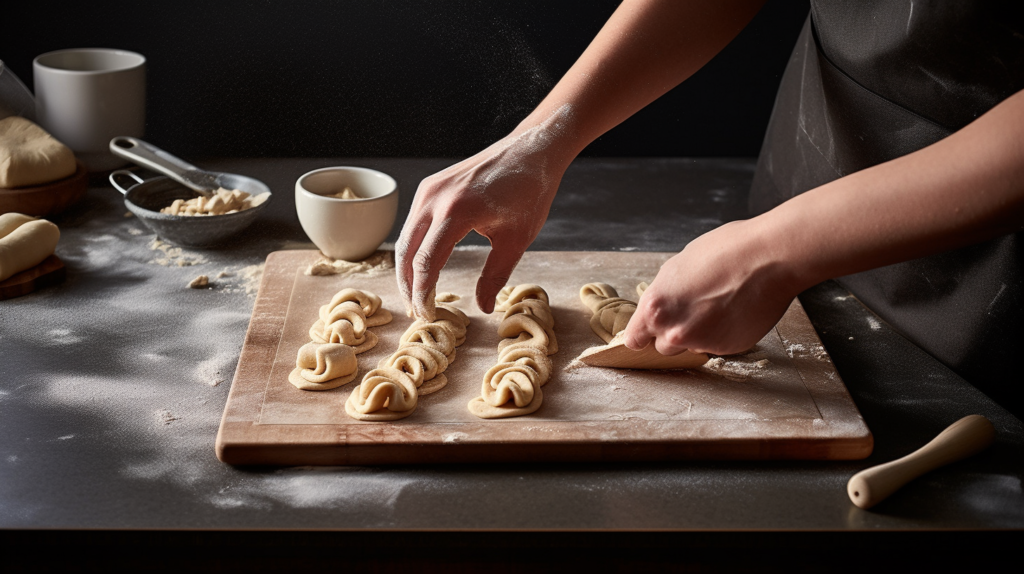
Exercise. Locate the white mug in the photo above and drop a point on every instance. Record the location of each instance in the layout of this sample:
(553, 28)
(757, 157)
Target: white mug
(87, 96)
(348, 229)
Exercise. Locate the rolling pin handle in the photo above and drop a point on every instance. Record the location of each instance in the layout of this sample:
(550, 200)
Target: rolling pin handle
(965, 437)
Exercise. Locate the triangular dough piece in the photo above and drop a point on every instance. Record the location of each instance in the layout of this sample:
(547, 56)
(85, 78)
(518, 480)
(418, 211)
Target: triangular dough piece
(30, 156)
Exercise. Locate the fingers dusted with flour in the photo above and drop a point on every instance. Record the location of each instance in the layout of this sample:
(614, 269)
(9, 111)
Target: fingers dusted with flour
(430, 258)
(503, 193)
(501, 261)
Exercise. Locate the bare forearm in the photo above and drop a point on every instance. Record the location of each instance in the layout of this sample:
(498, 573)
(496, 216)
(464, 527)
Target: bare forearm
(962, 190)
(645, 49)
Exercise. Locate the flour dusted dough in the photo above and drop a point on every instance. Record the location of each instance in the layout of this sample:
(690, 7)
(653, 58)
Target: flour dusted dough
(512, 387)
(391, 391)
(24, 242)
(611, 312)
(345, 320)
(339, 334)
(30, 156)
(323, 367)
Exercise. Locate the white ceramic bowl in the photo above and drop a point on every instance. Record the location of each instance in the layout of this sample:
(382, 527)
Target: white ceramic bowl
(349, 229)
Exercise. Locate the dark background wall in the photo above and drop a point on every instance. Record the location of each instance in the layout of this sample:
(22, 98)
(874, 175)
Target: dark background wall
(374, 78)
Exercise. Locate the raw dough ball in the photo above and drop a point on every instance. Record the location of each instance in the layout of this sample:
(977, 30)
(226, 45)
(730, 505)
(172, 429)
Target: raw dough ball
(26, 245)
(30, 156)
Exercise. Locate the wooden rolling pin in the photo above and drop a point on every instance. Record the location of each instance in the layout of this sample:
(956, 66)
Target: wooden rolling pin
(967, 436)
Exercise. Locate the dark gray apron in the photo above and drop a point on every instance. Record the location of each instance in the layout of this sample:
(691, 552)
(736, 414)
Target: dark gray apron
(870, 81)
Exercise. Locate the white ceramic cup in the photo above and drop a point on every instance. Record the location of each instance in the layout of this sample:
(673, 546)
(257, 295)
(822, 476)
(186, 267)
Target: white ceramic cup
(348, 229)
(87, 96)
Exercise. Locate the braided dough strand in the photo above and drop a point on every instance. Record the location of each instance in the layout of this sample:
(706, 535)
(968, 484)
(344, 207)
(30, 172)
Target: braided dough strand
(512, 387)
(391, 391)
(611, 312)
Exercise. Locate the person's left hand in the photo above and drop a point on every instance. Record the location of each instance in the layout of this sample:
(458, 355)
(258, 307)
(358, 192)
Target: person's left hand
(720, 295)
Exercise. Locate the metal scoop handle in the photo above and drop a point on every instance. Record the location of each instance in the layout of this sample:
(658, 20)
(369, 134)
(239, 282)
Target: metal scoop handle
(156, 159)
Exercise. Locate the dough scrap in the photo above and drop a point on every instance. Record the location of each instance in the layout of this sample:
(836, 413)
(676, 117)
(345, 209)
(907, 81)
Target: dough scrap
(611, 312)
(379, 261)
(391, 391)
(221, 202)
(31, 156)
(25, 242)
(323, 367)
(512, 387)
(200, 282)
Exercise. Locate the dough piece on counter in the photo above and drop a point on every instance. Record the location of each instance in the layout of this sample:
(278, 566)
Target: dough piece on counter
(611, 312)
(378, 262)
(345, 320)
(26, 246)
(512, 387)
(391, 391)
(200, 282)
(339, 334)
(11, 221)
(323, 367)
(30, 156)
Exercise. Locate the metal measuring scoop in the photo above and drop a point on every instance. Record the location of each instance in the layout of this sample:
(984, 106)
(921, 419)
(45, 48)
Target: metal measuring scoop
(149, 156)
(145, 198)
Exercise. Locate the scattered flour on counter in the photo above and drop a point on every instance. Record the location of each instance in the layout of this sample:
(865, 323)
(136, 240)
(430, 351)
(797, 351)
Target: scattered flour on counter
(164, 416)
(173, 256)
(454, 437)
(245, 279)
(376, 263)
(795, 348)
(874, 324)
(134, 231)
(66, 437)
(629, 249)
(64, 337)
(734, 369)
(574, 364)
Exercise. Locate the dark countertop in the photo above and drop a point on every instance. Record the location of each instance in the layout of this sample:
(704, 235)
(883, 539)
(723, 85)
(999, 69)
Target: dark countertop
(112, 386)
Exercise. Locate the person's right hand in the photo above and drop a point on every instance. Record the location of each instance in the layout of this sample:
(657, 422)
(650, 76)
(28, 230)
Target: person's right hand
(503, 193)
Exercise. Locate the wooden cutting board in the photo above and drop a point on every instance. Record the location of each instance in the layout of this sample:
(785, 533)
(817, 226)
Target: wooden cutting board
(782, 400)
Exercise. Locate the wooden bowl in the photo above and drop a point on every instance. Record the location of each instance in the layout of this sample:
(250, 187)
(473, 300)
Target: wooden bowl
(48, 198)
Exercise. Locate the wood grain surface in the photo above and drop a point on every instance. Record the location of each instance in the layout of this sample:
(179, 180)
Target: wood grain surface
(49, 272)
(48, 198)
(781, 400)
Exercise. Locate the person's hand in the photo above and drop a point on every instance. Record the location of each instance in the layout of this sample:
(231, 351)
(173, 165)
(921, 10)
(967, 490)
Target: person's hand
(720, 295)
(503, 193)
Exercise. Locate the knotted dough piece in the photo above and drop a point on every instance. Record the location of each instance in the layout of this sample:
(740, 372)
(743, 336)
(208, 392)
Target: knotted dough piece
(320, 367)
(391, 391)
(512, 387)
(611, 312)
(346, 318)
(338, 336)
